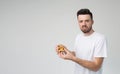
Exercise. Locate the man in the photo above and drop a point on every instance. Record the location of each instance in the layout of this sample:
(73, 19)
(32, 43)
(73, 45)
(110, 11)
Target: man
(90, 47)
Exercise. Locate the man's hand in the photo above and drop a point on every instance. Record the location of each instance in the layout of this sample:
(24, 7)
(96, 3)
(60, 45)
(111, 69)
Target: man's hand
(66, 54)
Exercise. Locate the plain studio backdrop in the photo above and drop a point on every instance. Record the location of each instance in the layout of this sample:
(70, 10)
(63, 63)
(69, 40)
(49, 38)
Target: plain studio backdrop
(30, 30)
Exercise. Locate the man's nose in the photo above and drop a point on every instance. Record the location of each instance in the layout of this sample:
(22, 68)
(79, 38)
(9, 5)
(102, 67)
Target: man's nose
(84, 23)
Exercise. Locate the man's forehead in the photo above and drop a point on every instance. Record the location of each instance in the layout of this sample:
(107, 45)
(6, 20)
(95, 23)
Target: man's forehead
(86, 16)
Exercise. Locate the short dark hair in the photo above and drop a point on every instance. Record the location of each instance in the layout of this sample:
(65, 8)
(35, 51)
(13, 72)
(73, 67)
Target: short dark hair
(84, 12)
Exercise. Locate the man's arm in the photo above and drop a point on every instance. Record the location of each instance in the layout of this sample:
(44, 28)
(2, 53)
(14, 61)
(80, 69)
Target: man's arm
(92, 65)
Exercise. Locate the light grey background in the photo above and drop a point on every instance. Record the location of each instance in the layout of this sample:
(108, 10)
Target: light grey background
(30, 30)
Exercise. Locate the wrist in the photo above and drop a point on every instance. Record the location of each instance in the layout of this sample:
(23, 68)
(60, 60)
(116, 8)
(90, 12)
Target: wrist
(74, 58)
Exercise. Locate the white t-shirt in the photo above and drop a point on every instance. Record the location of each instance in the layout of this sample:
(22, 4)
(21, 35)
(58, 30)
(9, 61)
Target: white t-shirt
(88, 47)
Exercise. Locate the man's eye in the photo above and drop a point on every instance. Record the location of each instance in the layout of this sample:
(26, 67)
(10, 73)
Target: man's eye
(80, 21)
(87, 20)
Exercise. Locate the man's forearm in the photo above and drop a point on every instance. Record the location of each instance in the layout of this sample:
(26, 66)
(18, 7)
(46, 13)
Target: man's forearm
(92, 65)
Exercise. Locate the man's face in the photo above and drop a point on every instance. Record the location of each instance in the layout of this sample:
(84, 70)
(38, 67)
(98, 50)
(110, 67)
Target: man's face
(85, 23)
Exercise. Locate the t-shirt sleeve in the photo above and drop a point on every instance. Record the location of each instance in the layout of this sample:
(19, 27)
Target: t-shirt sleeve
(75, 44)
(101, 48)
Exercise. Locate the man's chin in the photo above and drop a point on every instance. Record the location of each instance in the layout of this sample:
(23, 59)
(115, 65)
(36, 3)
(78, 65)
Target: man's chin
(85, 31)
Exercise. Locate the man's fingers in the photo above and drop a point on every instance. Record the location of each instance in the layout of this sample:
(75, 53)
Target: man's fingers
(56, 48)
(61, 49)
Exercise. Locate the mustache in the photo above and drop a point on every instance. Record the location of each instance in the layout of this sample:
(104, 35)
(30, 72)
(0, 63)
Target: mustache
(84, 26)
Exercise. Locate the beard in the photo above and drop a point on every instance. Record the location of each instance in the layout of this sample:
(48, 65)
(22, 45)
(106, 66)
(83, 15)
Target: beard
(86, 29)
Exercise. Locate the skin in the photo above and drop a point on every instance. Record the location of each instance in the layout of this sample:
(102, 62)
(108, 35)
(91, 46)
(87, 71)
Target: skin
(85, 23)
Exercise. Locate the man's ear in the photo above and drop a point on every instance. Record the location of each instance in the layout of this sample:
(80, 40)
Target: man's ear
(92, 21)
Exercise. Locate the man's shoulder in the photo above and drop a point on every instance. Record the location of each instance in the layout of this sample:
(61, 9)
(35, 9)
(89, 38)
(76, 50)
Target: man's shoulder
(99, 35)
